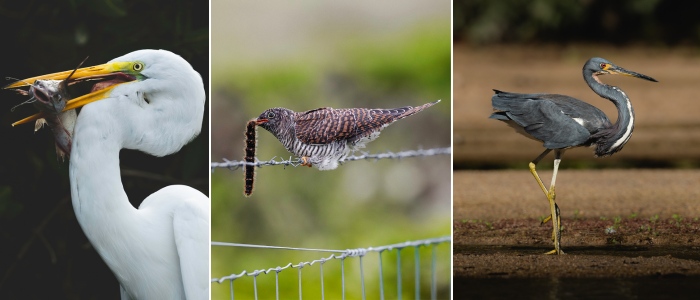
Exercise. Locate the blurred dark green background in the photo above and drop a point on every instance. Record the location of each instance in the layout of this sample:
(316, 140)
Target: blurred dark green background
(43, 252)
(339, 54)
(625, 22)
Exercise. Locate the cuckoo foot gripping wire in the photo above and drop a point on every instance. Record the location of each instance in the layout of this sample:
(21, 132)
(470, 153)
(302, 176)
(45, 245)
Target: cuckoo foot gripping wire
(252, 162)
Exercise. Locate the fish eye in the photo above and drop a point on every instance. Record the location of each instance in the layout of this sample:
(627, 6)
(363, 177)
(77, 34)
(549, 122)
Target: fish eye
(270, 115)
(138, 66)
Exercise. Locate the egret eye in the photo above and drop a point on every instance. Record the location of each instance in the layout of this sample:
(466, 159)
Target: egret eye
(270, 115)
(138, 66)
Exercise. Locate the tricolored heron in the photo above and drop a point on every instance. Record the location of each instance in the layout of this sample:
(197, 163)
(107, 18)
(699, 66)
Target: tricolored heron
(562, 122)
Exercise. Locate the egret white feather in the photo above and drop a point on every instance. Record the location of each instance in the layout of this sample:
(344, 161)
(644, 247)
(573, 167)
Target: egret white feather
(161, 249)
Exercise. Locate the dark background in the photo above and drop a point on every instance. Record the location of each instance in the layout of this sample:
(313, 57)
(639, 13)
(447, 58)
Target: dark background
(43, 252)
(625, 22)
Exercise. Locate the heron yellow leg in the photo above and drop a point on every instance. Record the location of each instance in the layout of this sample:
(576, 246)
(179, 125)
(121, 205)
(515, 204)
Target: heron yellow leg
(551, 197)
(533, 171)
(545, 220)
(556, 227)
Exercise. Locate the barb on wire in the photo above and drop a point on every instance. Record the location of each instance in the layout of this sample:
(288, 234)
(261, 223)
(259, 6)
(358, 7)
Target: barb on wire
(234, 164)
(342, 255)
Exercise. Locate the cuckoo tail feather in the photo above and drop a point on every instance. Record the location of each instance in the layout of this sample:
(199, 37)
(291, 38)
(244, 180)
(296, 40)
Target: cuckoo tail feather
(414, 110)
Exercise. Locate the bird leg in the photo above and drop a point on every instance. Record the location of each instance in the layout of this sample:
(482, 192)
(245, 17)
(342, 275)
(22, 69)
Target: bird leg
(551, 193)
(555, 216)
(534, 171)
(306, 161)
(551, 196)
(556, 231)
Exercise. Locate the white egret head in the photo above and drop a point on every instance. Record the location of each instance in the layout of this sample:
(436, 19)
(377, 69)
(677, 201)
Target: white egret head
(155, 96)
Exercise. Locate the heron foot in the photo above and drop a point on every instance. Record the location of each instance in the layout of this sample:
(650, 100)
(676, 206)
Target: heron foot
(549, 218)
(545, 220)
(556, 229)
(555, 252)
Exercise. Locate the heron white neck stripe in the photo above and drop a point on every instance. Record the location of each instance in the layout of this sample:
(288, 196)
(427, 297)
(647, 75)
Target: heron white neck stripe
(628, 131)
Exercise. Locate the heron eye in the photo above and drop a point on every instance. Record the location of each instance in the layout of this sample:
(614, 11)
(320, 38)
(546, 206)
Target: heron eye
(138, 66)
(270, 115)
(603, 65)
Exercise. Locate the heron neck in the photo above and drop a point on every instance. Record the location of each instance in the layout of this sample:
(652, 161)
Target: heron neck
(616, 136)
(625, 113)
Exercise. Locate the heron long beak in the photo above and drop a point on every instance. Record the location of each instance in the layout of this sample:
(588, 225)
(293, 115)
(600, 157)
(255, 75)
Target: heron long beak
(621, 71)
(121, 71)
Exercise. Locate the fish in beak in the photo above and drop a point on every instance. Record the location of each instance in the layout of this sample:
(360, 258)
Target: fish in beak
(49, 94)
(107, 77)
(50, 97)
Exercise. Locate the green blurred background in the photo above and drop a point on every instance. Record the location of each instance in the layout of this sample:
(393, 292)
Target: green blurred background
(43, 252)
(340, 54)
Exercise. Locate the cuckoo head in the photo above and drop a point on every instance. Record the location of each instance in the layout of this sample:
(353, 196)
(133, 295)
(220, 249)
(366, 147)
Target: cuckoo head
(274, 119)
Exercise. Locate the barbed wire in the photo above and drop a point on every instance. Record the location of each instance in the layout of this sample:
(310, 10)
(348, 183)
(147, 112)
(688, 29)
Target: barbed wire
(234, 164)
(342, 255)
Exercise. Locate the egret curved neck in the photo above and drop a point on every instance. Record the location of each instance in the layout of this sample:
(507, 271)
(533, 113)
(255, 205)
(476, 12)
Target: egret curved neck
(97, 193)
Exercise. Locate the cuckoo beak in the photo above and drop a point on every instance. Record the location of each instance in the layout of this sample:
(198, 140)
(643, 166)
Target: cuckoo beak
(109, 76)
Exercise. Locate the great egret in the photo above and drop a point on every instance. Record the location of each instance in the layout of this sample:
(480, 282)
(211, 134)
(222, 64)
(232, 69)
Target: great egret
(152, 101)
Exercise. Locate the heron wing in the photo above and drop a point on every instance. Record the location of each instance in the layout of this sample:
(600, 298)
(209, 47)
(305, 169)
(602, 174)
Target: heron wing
(540, 116)
(191, 230)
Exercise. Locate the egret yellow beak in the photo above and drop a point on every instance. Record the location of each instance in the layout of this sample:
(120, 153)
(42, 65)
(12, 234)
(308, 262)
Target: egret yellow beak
(120, 70)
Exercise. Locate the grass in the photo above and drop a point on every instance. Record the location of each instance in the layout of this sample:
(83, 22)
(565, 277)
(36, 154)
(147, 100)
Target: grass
(488, 224)
(673, 229)
(577, 214)
(616, 222)
(654, 218)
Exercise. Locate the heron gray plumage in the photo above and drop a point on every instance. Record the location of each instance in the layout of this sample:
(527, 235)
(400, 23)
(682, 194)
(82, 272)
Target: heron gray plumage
(562, 122)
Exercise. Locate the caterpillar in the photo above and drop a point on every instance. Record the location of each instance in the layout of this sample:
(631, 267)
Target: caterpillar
(250, 141)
